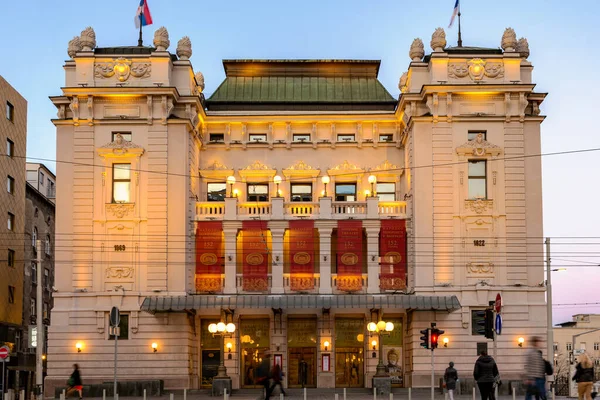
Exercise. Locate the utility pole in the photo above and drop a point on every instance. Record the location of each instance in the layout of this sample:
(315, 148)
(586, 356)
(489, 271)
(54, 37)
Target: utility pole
(550, 332)
(39, 351)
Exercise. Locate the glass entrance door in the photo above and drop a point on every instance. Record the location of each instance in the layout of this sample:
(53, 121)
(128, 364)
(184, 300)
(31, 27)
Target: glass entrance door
(349, 367)
(302, 367)
(251, 359)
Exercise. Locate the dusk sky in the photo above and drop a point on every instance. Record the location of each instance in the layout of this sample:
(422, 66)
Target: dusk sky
(563, 37)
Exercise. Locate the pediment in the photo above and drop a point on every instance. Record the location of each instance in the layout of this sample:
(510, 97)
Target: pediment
(479, 147)
(346, 168)
(301, 169)
(216, 170)
(257, 172)
(120, 148)
(387, 170)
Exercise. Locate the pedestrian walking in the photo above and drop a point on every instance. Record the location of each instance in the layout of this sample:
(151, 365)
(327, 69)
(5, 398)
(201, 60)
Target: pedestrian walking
(74, 382)
(584, 376)
(485, 374)
(277, 376)
(263, 374)
(535, 371)
(450, 379)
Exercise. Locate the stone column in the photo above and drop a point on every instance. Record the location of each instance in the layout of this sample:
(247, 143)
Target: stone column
(277, 229)
(230, 230)
(325, 256)
(372, 229)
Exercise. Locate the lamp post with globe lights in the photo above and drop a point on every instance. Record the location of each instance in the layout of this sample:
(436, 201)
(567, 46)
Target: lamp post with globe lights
(325, 180)
(381, 329)
(222, 330)
(231, 182)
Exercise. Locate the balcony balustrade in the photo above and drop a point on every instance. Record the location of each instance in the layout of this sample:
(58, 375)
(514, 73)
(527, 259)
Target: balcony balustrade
(278, 209)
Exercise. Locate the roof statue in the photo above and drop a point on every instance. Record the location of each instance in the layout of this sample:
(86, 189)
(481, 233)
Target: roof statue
(509, 40)
(403, 82)
(184, 48)
(161, 39)
(523, 47)
(88, 39)
(417, 50)
(74, 46)
(200, 81)
(438, 40)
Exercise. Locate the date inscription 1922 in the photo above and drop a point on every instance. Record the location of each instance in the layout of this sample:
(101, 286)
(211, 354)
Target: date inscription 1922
(479, 243)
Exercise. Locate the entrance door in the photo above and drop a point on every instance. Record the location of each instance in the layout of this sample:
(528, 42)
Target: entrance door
(296, 368)
(210, 364)
(251, 359)
(349, 367)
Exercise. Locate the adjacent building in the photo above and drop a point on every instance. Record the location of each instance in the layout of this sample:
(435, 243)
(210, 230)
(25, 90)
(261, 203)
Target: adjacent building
(42, 180)
(300, 202)
(13, 138)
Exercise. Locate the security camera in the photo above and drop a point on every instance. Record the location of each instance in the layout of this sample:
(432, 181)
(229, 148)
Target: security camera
(54, 289)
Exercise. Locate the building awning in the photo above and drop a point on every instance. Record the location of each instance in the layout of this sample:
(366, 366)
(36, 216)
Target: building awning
(298, 301)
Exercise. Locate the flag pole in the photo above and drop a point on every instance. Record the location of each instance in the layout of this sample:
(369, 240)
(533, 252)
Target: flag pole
(140, 42)
(459, 34)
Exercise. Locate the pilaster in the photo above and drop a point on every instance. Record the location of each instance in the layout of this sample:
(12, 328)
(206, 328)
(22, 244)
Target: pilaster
(277, 229)
(325, 256)
(230, 231)
(372, 257)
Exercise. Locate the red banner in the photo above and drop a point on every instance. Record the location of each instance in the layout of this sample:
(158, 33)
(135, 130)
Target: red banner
(349, 256)
(302, 250)
(209, 256)
(255, 256)
(392, 250)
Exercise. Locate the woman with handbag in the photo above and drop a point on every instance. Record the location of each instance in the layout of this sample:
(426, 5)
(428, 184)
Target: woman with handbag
(74, 382)
(584, 376)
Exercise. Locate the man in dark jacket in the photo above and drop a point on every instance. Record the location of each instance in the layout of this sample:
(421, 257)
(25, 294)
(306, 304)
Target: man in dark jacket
(450, 377)
(485, 373)
(263, 374)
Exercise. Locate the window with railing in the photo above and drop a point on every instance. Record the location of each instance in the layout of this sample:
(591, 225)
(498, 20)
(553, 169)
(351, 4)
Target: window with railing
(121, 183)
(345, 192)
(301, 192)
(258, 192)
(216, 138)
(257, 138)
(477, 179)
(216, 191)
(386, 138)
(346, 137)
(301, 137)
(386, 191)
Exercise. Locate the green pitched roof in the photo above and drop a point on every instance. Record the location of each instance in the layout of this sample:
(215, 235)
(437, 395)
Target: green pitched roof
(301, 83)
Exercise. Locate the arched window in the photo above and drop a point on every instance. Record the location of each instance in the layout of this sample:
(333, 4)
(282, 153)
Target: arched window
(47, 246)
(34, 237)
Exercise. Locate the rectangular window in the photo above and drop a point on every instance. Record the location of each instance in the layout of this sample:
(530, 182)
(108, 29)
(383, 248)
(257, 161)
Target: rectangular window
(121, 183)
(47, 278)
(258, 137)
(217, 137)
(125, 135)
(11, 258)
(10, 148)
(32, 307)
(41, 178)
(301, 137)
(47, 245)
(33, 272)
(555, 347)
(51, 193)
(123, 328)
(11, 294)
(472, 135)
(258, 192)
(10, 111)
(10, 224)
(386, 191)
(345, 192)
(386, 138)
(345, 137)
(477, 179)
(10, 184)
(301, 192)
(569, 346)
(216, 191)
(45, 314)
(596, 346)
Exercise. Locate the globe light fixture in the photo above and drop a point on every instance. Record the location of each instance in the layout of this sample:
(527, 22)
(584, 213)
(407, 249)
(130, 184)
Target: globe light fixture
(230, 328)
(221, 327)
(372, 180)
(79, 346)
(154, 347)
(325, 180)
(277, 181)
(372, 327)
(521, 340)
(222, 330)
(445, 340)
(212, 328)
(389, 326)
(374, 344)
(326, 344)
(231, 182)
(381, 326)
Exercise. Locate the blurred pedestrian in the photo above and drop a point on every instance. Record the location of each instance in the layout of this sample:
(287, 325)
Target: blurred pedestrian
(74, 382)
(535, 371)
(277, 376)
(485, 374)
(450, 379)
(263, 374)
(584, 376)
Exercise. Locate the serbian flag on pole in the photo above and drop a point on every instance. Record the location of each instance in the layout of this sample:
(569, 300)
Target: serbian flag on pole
(454, 13)
(142, 16)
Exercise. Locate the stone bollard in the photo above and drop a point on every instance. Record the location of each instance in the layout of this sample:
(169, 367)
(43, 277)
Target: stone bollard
(304, 393)
(280, 396)
(63, 395)
(184, 394)
(473, 392)
(344, 393)
(144, 394)
(374, 393)
(103, 394)
(391, 396)
(514, 390)
(224, 393)
(335, 397)
(171, 396)
(409, 393)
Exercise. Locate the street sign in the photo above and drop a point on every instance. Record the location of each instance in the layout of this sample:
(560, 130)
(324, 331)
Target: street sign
(32, 336)
(498, 304)
(578, 352)
(4, 352)
(115, 317)
(498, 324)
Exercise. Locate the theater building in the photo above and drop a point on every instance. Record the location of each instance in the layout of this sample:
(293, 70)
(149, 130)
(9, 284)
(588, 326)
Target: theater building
(299, 202)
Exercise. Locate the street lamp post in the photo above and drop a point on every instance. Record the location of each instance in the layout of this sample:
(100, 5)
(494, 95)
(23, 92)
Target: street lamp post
(380, 328)
(221, 329)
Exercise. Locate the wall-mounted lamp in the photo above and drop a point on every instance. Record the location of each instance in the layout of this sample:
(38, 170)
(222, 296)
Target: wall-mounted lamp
(445, 340)
(325, 180)
(229, 346)
(521, 340)
(231, 182)
(79, 346)
(154, 347)
(236, 193)
(43, 356)
(372, 181)
(374, 344)
(326, 344)
(277, 181)
(367, 193)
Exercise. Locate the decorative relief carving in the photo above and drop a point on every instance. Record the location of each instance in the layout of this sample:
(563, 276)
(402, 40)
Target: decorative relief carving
(120, 144)
(479, 147)
(402, 84)
(120, 210)
(300, 166)
(74, 46)
(479, 206)
(346, 166)
(509, 40)
(122, 68)
(385, 166)
(215, 166)
(200, 81)
(74, 106)
(476, 69)
(119, 272)
(480, 268)
(90, 107)
(438, 40)
(62, 112)
(150, 109)
(184, 48)
(523, 47)
(161, 39)
(87, 39)
(257, 166)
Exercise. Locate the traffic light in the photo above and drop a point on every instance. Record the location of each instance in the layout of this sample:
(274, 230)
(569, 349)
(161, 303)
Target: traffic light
(425, 338)
(435, 337)
(489, 324)
(479, 321)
